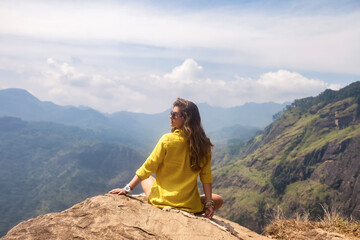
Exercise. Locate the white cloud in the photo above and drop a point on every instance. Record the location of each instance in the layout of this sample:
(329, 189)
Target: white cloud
(184, 74)
(188, 80)
(66, 74)
(290, 82)
(65, 85)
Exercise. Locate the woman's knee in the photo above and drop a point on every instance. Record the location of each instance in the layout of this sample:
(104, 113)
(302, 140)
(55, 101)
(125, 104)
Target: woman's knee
(147, 184)
(218, 201)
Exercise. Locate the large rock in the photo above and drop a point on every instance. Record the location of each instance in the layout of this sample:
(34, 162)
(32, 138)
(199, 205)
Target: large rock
(126, 217)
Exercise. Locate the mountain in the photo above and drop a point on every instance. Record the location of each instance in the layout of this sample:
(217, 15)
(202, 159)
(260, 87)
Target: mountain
(133, 129)
(20, 103)
(48, 167)
(307, 159)
(126, 217)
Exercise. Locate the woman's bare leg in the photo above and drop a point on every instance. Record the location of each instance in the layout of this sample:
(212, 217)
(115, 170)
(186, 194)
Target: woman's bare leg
(147, 184)
(218, 200)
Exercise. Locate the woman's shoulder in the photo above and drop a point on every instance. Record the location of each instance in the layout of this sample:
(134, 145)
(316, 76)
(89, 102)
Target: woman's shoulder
(173, 136)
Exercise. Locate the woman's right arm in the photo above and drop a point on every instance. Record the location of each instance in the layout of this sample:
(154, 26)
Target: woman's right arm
(132, 184)
(149, 167)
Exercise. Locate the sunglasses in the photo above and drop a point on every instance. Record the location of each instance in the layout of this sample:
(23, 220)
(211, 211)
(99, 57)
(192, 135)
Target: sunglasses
(174, 114)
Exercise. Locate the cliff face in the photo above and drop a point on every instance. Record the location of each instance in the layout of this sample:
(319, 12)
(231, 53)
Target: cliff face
(125, 217)
(308, 158)
(324, 151)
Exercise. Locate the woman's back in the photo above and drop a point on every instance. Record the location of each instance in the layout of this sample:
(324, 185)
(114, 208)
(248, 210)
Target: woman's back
(176, 182)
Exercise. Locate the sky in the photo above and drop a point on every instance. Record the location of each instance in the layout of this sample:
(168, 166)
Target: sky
(139, 56)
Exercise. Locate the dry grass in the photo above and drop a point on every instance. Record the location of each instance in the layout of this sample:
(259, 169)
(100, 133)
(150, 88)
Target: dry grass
(331, 226)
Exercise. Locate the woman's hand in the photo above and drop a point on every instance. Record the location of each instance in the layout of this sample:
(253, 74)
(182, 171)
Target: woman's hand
(209, 209)
(120, 191)
(209, 212)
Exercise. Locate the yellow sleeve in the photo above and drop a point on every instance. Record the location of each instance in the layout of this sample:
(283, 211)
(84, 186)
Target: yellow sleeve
(205, 172)
(152, 162)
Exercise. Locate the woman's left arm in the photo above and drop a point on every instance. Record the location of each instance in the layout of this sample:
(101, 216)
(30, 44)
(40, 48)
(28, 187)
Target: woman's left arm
(209, 204)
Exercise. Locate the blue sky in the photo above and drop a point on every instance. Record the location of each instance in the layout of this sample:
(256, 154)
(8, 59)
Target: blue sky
(140, 55)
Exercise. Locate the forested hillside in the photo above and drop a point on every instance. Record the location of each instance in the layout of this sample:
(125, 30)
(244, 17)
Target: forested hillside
(48, 167)
(307, 158)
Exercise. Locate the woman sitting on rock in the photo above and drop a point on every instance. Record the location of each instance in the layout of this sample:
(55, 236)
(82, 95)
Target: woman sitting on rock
(177, 160)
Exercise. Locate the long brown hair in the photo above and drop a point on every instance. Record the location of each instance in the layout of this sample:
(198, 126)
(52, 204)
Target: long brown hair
(199, 144)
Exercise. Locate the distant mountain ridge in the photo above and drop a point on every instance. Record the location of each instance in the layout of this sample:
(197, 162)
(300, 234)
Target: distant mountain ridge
(308, 158)
(19, 103)
(133, 128)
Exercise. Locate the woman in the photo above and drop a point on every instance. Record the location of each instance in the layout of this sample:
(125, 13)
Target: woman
(177, 160)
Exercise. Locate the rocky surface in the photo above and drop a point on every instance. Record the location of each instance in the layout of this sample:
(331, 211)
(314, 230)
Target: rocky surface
(126, 217)
(305, 230)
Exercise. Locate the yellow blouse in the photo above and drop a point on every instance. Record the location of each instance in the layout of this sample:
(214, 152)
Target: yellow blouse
(176, 183)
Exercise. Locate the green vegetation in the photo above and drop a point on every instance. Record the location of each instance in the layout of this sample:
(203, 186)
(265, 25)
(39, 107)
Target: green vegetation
(307, 195)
